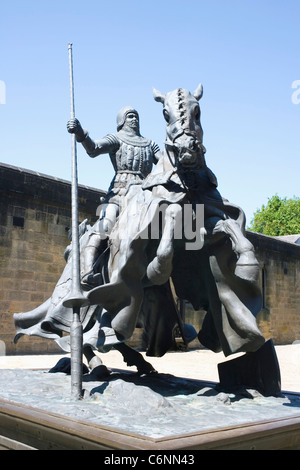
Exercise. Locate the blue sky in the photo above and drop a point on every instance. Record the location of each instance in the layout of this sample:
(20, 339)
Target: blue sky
(245, 53)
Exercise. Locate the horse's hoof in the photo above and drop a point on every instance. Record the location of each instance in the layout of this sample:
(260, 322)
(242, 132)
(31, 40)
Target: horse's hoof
(146, 369)
(100, 372)
(247, 267)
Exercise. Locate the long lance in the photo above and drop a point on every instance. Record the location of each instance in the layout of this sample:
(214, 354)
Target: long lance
(76, 300)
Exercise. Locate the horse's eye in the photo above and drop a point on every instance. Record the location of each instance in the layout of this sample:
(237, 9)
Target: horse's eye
(197, 113)
(166, 115)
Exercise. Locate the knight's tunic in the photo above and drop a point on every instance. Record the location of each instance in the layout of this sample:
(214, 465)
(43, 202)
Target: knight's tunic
(132, 158)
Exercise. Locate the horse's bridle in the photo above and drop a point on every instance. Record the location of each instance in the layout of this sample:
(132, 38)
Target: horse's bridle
(180, 149)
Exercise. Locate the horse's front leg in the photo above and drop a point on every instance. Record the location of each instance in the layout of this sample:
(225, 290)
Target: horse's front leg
(247, 266)
(160, 268)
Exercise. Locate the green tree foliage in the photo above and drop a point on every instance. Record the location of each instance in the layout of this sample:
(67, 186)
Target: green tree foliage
(281, 216)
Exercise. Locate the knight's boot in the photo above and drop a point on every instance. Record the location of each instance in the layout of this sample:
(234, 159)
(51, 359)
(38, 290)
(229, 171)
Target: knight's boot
(87, 274)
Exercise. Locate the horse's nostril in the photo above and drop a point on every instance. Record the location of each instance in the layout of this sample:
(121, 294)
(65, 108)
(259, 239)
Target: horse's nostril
(192, 145)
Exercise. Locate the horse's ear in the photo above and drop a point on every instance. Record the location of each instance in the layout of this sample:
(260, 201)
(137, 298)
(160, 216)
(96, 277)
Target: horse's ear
(198, 92)
(158, 96)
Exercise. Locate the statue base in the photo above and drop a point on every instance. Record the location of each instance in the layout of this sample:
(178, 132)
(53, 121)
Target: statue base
(150, 413)
(27, 428)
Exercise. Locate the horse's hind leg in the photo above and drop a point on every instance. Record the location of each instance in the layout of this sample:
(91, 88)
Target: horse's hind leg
(130, 356)
(134, 358)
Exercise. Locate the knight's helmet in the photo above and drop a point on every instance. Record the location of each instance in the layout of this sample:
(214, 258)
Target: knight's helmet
(121, 116)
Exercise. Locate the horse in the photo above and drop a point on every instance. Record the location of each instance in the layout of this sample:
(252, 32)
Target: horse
(217, 271)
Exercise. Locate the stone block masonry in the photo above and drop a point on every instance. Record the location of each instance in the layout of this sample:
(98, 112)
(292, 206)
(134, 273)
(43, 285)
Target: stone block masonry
(279, 261)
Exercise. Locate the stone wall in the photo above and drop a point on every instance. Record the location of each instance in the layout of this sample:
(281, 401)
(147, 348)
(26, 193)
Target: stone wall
(279, 261)
(35, 216)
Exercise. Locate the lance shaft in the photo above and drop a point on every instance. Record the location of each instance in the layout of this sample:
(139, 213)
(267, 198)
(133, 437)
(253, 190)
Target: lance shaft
(76, 299)
(75, 233)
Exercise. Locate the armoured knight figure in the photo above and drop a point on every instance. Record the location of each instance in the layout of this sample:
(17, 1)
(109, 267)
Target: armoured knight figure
(132, 157)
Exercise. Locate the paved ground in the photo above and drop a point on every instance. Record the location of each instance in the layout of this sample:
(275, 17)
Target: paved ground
(196, 364)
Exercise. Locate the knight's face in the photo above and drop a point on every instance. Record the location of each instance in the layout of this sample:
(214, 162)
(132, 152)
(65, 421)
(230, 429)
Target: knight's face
(132, 121)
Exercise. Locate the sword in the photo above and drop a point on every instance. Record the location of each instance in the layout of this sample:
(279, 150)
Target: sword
(76, 298)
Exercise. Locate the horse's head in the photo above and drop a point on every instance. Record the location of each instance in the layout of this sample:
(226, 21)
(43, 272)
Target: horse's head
(184, 132)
